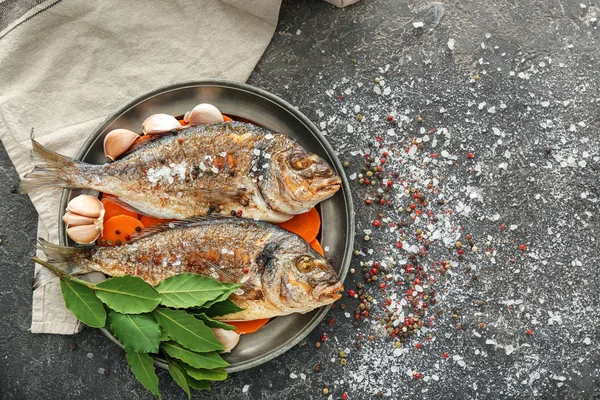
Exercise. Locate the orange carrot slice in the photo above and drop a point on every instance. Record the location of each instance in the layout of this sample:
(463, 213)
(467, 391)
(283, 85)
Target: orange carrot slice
(247, 327)
(317, 247)
(118, 230)
(305, 225)
(112, 209)
(226, 118)
(150, 221)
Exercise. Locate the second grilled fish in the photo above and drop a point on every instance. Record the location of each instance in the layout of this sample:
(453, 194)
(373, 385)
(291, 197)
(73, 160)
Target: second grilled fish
(280, 273)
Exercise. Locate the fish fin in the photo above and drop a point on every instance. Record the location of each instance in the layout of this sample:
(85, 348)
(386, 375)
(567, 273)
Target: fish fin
(43, 277)
(63, 258)
(177, 224)
(55, 171)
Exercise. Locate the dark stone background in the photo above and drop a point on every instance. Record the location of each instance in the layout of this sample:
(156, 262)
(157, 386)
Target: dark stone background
(537, 64)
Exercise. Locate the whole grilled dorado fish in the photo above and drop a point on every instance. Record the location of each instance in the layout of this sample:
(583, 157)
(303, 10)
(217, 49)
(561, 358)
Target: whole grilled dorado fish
(280, 273)
(220, 167)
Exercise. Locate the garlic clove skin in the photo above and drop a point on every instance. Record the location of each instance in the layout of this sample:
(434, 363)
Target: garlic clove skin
(204, 114)
(72, 219)
(84, 234)
(86, 205)
(160, 123)
(229, 339)
(118, 141)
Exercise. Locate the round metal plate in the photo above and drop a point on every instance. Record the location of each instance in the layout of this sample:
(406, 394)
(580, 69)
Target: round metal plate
(245, 102)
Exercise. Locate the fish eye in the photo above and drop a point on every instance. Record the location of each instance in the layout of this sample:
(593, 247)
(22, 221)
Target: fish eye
(304, 264)
(299, 161)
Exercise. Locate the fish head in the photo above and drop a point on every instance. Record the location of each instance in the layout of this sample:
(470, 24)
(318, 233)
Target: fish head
(298, 279)
(298, 180)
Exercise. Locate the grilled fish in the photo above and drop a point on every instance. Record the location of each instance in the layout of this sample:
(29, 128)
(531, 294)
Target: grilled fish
(225, 167)
(279, 272)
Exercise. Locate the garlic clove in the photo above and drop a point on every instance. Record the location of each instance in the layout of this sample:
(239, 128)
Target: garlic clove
(72, 219)
(229, 339)
(160, 123)
(117, 141)
(86, 205)
(204, 114)
(84, 234)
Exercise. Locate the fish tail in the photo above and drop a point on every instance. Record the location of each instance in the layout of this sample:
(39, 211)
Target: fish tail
(64, 258)
(55, 171)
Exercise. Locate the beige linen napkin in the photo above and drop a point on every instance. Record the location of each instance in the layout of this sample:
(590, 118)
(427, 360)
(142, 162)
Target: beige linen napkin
(66, 65)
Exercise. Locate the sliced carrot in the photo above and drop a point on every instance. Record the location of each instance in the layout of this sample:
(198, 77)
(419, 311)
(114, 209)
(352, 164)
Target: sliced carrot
(247, 327)
(112, 209)
(150, 221)
(305, 225)
(118, 230)
(317, 247)
(226, 118)
(182, 122)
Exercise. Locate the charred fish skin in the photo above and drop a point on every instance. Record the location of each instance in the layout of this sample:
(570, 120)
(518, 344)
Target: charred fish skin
(225, 167)
(278, 271)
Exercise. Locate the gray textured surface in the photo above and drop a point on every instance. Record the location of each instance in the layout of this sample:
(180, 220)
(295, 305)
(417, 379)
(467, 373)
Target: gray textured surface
(550, 199)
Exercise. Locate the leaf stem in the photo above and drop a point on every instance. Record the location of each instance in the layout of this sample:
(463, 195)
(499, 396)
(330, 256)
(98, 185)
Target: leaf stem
(62, 274)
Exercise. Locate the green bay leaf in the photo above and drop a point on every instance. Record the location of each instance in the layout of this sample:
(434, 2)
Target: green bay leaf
(207, 360)
(203, 374)
(142, 366)
(192, 290)
(164, 337)
(187, 330)
(180, 377)
(82, 301)
(137, 332)
(222, 308)
(196, 384)
(128, 294)
(213, 323)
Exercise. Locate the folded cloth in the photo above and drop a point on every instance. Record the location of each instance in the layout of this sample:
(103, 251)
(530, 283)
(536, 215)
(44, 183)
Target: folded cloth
(65, 65)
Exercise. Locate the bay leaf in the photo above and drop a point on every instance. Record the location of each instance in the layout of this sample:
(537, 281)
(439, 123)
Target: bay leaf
(213, 323)
(203, 374)
(142, 366)
(180, 377)
(187, 330)
(82, 301)
(137, 332)
(191, 290)
(207, 360)
(128, 294)
(222, 308)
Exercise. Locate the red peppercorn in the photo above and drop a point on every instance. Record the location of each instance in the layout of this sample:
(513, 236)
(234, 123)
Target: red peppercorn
(461, 251)
(417, 375)
(399, 245)
(246, 270)
(376, 264)
(390, 183)
(502, 227)
(382, 160)
(382, 201)
(368, 202)
(529, 331)
(323, 338)
(385, 154)
(344, 396)
(523, 247)
(376, 223)
(390, 117)
(418, 345)
(445, 355)
(351, 293)
(471, 155)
